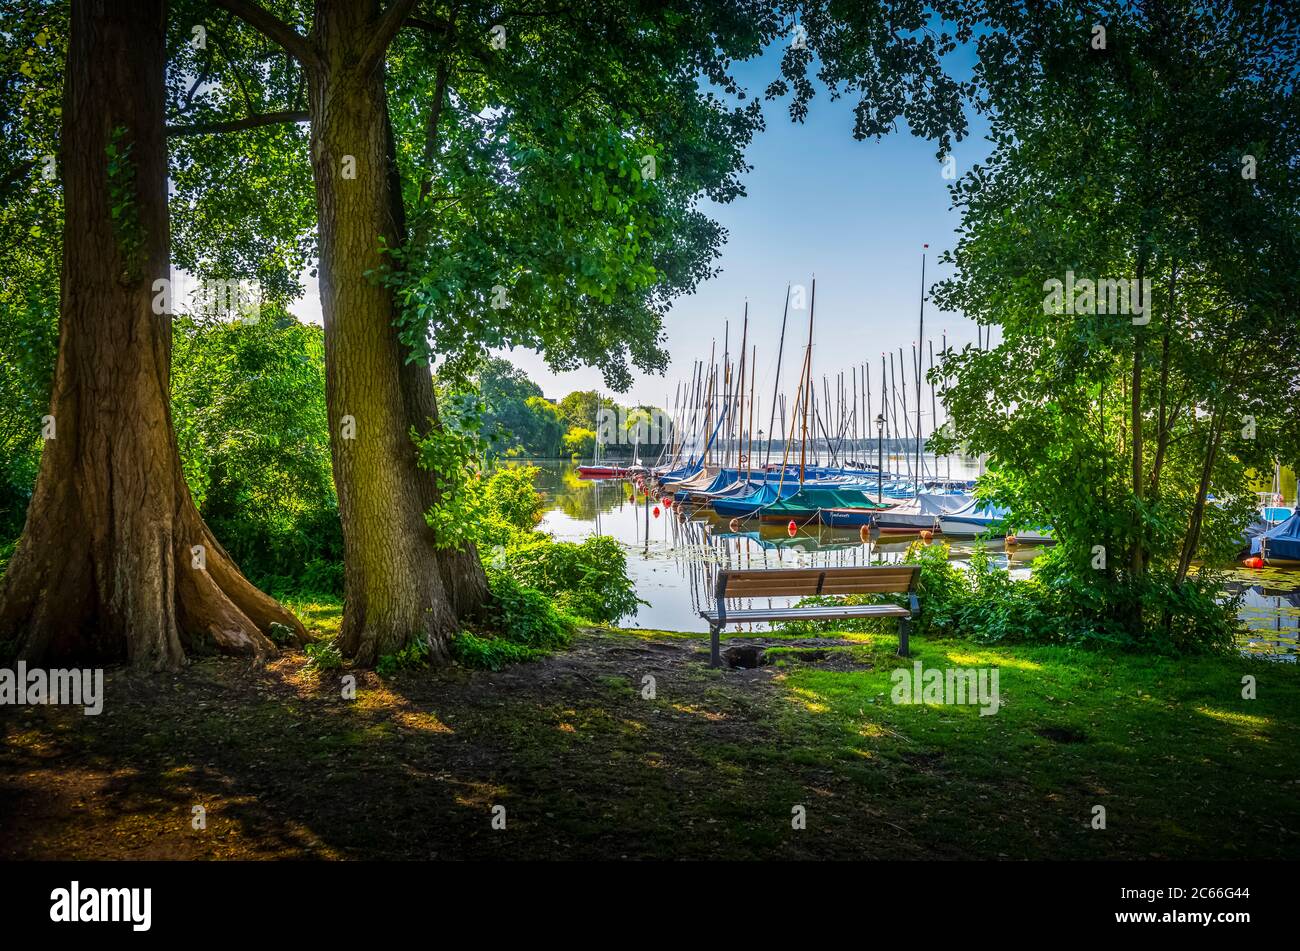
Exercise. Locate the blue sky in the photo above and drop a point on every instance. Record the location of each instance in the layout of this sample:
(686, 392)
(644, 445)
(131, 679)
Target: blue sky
(855, 214)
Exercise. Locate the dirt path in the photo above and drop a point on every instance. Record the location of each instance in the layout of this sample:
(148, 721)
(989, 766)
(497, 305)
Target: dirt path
(584, 764)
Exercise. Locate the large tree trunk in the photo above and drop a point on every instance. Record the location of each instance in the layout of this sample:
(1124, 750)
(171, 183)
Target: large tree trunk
(393, 583)
(115, 561)
(462, 570)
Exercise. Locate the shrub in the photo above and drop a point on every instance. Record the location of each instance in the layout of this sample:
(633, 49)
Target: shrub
(984, 603)
(525, 615)
(539, 586)
(489, 653)
(587, 579)
(510, 494)
(996, 607)
(323, 655)
(580, 441)
(519, 624)
(414, 654)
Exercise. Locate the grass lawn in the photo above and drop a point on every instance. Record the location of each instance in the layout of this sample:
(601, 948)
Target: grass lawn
(587, 765)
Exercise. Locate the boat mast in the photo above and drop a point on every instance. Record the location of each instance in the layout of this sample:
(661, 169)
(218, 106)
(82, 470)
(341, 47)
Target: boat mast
(946, 411)
(884, 404)
(708, 403)
(749, 452)
(855, 414)
(866, 406)
(901, 425)
(934, 406)
(776, 387)
(725, 432)
(806, 381)
(595, 450)
(740, 410)
(920, 336)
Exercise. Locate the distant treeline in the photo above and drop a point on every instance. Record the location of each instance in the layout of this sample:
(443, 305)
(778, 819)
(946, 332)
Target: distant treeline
(518, 420)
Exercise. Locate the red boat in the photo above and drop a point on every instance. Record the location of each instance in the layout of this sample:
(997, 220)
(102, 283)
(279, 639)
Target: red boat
(601, 472)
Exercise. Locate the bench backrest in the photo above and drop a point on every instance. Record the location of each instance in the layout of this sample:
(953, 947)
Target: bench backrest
(805, 582)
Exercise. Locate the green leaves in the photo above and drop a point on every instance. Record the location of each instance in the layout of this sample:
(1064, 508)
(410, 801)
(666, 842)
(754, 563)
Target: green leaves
(1141, 190)
(123, 208)
(248, 403)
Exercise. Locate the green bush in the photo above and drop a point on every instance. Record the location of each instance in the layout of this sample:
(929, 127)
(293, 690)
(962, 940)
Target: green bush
(580, 441)
(510, 495)
(525, 615)
(539, 586)
(520, 623)
(1193, 617)
(587, 579)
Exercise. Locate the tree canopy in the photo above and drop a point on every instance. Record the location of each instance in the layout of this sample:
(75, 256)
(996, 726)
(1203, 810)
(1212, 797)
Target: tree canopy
(1112, 422)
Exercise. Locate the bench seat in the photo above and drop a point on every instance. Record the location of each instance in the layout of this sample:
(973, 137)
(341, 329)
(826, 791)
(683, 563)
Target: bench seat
(835, 612)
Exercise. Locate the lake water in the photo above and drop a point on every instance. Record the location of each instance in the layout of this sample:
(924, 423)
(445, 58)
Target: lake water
(673, 559)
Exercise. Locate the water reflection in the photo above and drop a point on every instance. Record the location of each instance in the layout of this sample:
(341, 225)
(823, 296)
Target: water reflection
(1271, 610)
(674, 556)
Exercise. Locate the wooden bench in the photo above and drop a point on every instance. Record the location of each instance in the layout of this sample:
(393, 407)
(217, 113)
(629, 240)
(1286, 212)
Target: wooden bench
(806, 582)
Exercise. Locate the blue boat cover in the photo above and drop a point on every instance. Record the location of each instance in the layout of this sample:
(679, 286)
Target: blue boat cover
(1281, 541)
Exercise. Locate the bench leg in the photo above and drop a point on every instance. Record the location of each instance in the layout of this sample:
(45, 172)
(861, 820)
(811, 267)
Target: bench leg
(904, 629)
(715, 651)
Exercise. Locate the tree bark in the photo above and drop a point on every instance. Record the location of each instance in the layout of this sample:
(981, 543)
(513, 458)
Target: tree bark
(1193, 538)
(461, 568)
(393, 580)
(107, 567)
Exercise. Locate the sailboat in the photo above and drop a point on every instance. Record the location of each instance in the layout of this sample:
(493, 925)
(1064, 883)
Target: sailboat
(915, 515)
(596, 470)
(984, 518)
(1279, 547)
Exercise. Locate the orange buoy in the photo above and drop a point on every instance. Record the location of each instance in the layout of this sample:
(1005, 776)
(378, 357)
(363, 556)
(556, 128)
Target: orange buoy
(792, 528)
(1255, 561)
(1011, 541)
(734, 525)
(926, 535)
(864, 533)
